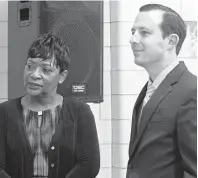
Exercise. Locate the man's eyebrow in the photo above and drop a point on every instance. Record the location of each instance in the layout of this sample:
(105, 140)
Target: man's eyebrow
(143, 28)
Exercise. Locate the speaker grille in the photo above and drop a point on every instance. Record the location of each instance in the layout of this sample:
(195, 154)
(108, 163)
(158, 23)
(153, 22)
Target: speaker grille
(79, 25)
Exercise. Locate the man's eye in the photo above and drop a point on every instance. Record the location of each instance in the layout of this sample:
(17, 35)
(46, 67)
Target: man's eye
(144, 32)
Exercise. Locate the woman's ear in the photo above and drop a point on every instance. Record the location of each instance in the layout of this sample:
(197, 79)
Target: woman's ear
(63, 76)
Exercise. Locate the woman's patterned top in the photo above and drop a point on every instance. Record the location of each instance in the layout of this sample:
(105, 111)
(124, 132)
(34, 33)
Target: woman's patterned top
(40, 128)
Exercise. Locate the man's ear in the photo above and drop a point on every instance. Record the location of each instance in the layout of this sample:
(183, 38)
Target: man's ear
(173, 40)
(63, 76)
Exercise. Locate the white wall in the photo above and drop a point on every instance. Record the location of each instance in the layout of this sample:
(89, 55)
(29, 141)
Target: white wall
(104, 109)
(3, 51)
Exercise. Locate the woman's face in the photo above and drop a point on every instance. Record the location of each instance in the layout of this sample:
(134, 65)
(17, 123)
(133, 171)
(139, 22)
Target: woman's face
(41, 77)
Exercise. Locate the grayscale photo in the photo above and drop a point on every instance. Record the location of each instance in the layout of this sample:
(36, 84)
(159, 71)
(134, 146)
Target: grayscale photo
(98, 89)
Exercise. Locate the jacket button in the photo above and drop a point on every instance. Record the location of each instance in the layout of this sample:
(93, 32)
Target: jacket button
(52, 148)
(52, 165)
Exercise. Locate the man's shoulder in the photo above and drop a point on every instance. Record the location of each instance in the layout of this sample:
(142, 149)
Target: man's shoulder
(189, 80)
(187, 87)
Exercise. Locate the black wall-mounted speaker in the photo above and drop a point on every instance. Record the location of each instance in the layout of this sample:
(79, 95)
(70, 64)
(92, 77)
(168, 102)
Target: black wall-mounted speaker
(80, 25)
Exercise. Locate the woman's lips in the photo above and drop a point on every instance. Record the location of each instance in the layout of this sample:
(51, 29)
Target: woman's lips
(34, 85)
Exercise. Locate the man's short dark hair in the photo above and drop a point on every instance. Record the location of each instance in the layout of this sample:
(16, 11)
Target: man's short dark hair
(172, 22)
(47, 46)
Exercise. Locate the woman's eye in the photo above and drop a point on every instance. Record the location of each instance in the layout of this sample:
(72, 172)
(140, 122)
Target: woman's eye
(29, 66)
(47, 70)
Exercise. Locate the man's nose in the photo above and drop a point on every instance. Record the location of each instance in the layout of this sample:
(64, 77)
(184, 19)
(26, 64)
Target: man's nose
(135, 38)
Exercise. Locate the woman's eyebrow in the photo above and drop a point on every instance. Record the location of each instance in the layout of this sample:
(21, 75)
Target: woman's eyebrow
(31, 61)
(48, 64)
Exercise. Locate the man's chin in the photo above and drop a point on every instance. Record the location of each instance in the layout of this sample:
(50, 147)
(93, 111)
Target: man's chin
(139, 61)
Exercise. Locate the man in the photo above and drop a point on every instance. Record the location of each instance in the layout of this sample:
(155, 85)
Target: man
(164, 123)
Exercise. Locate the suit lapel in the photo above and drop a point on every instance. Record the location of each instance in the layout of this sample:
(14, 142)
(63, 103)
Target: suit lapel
(135, 116)
(163, 90)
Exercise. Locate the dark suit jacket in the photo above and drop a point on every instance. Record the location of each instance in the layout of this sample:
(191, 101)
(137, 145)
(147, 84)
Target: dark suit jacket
(165, 144)
(76, 153)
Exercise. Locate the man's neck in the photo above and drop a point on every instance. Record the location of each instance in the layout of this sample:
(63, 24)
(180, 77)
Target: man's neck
(156, 68)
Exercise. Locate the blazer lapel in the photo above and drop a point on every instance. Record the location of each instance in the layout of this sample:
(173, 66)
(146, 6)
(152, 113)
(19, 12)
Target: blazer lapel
(163, 90)
(135, 116)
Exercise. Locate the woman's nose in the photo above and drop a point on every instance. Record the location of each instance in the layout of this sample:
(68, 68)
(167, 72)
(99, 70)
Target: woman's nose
(36, 73)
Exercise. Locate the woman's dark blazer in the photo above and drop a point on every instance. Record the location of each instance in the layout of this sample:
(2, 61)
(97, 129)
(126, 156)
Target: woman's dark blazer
(73, 151)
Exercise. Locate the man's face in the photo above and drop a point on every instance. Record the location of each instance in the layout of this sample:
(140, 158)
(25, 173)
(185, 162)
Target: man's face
(41, 77)
(147, 41)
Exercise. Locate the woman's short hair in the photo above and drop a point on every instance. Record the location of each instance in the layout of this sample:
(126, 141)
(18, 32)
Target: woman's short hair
(172, 22)
(47, 46)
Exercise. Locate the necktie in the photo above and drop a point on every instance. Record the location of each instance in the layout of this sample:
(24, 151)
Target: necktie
(149, 93)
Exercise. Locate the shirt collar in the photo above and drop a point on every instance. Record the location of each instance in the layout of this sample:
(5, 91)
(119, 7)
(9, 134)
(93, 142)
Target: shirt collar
(164, 73)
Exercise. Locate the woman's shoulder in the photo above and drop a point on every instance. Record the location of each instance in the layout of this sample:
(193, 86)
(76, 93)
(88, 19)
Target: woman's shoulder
(12, 103)
(74, 102)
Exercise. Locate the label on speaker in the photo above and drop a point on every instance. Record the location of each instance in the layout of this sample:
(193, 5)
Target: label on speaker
(78, 88)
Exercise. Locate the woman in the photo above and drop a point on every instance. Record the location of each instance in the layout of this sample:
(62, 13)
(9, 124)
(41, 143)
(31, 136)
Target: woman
(43, 134)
